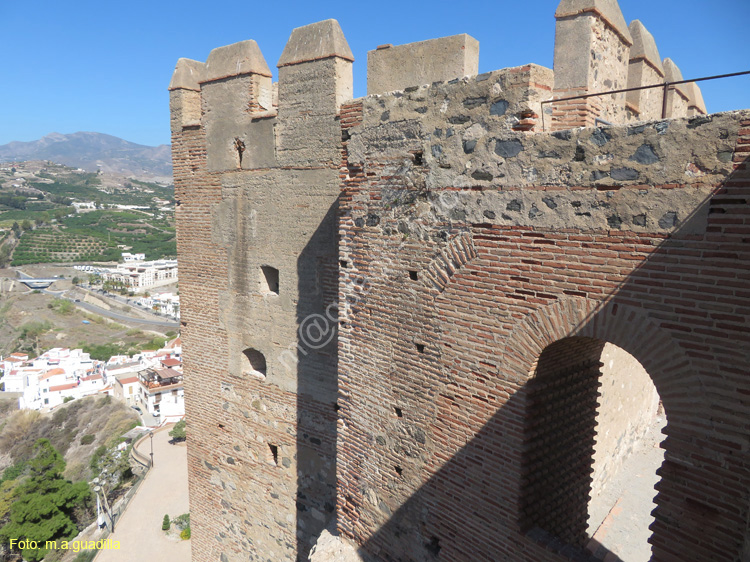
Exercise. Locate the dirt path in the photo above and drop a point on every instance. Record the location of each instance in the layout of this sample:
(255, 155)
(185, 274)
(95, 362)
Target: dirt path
(165, 490)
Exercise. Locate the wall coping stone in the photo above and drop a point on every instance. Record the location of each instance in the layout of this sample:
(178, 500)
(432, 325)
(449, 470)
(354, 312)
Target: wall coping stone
(316, 41)
(644, 46)
(187, 75)
(608, 10)
(236, 59)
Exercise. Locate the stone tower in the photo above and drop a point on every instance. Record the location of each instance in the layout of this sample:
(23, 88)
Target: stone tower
(257, 184)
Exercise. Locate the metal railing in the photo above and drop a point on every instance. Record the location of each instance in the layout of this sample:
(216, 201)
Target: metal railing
(665, 85)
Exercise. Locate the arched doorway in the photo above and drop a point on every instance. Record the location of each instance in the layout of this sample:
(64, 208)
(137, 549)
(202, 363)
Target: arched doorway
(592, 411)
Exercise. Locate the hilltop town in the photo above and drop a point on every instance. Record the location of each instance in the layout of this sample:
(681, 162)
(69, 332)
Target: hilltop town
(150, 381)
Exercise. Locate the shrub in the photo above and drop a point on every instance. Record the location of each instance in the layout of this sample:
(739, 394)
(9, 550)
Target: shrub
(165, 523)
(85, 556)
(182, 522)
(87, 439)
(96, 457)
(178, 433)
(185, 534)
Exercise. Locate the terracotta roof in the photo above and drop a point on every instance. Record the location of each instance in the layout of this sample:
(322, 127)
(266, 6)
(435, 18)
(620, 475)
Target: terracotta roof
(59, 387)
(19, 355)
(91, 378)
(127, 380)
(171, 362)
(51, 373)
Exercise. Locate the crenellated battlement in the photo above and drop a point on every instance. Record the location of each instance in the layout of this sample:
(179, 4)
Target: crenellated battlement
(254, 123)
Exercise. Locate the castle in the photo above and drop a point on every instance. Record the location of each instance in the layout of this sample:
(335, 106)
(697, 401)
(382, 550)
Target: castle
(396, 309)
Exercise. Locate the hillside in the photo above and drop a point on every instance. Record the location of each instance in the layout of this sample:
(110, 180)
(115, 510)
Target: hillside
(56, 214)
(95, 151)
(34, 321)
(101, 417)
(48, 460)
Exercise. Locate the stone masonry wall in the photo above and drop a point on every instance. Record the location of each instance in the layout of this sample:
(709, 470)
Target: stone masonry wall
(262, 394)
(453, 282)
(369, 287)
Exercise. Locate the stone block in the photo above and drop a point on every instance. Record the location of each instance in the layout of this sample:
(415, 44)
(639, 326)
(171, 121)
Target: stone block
(184, 94)
(678, 96)
(315, 78)
(696, 105)
(592, 50)
(187, 75)
(644, 46)
(436, 60)
(608, 10)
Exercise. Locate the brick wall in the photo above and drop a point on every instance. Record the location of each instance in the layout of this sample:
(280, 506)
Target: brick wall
(559, 434)
(444, 317)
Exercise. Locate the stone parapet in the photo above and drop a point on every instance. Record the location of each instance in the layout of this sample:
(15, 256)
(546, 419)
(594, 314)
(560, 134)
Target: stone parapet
(436, 60)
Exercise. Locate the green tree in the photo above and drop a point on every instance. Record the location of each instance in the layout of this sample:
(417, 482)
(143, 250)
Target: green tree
(165, 524)
(178, 432)
(4, 255)
(26, 224)
(46, 503)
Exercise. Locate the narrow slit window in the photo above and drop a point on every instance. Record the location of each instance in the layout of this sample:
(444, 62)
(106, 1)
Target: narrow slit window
(273, 457)
(269, 280)
(254, 363)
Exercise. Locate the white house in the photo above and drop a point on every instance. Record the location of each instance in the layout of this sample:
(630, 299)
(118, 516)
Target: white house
(126, 388)
(127, 257)
(56, 374)
(162, 392)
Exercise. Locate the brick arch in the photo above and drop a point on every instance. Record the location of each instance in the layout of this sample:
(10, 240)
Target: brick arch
(458, 252)
(582, 320)
(625, 326)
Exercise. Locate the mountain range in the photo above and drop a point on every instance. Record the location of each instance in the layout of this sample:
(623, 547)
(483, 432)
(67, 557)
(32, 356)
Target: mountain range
(94, 151)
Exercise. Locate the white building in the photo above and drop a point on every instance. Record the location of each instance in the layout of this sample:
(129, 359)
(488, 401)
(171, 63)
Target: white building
(164, 303)
(126, 388)
(127, 257)
(162, 392)
(141, 276)
(55, 375)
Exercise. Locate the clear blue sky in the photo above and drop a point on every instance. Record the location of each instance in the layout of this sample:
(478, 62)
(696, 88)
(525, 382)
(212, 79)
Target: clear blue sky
(104, 66)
